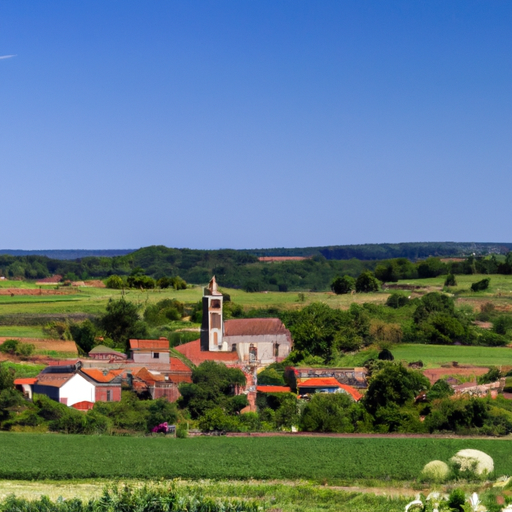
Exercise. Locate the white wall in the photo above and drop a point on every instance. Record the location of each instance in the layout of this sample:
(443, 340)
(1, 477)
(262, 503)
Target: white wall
(77, 389)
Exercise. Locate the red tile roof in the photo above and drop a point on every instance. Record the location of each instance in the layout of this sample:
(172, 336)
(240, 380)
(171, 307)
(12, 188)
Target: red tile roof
(273, 389)
(353, 392)
(54, 380)
(148, 377)
(192, 351)
(83, 406)
(100, 376)
(254, 327)
(19, 382)
(320, 382)
(149, 344)
(177, 365)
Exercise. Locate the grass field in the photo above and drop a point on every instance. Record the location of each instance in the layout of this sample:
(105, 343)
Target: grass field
(22, 331)
(435, 355)
(52, 456)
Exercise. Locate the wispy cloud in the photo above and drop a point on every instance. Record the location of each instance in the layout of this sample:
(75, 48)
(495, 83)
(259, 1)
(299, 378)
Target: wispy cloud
(2, 57)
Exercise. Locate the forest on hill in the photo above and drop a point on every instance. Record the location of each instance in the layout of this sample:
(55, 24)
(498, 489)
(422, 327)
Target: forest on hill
(241, 269)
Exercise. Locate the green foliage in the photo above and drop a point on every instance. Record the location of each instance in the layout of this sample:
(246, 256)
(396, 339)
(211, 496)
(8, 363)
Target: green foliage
(84, 334)
(492, 375)
(115, 282)
(397, 300)
(367, 282)
(385, 355)
(24, 350)
(325, 412)
(440, 389)
(123, 499)
(9, 346)
(164, 312)
(39, 457)
(321, 331)
(213, 385)
(393, 385)
(343, 285)
(121, 322)
(456, 500)
(480, 285)
(450, 280)
(435, 471)
(502, 324)
(271, 377)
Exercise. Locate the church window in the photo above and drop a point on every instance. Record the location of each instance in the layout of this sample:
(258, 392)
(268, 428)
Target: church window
(215, 321)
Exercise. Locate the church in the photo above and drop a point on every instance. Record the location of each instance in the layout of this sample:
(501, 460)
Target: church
(249, 341)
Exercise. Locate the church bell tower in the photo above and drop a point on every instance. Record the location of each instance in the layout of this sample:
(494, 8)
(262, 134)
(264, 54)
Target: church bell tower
(212, 326)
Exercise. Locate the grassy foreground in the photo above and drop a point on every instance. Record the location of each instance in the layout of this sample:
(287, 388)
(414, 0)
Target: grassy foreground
(53, 456)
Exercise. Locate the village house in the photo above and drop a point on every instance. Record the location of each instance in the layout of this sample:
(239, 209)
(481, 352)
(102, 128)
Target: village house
(72, 384)
(150, 352)
(103, 353)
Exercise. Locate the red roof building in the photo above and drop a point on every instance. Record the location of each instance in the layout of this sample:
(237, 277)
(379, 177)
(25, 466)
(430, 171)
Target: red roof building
(329, 384)
(150, 353)
(273, 389)
(192, 351)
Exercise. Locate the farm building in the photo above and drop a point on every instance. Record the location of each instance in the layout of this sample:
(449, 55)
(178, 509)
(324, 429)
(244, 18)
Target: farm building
(154, 353)
(103, 353)
(71, 384)
(355, 377)
(326, 385)
(153, 385)
(25, 386)
(254, 341)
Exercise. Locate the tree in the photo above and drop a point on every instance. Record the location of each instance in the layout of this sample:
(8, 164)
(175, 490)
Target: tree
(366, 283)
(213, 385)
(385, 355)
(450, 280)
(328, 413)
(84, 335)
(342, 285)
(397, 300)
(394, 385)
(114, 282)
(386, 273)
(440, 389)
(121, 322)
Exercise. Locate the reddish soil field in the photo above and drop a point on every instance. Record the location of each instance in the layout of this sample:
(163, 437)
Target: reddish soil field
(40, 344)
(435, 374)
(28, 291)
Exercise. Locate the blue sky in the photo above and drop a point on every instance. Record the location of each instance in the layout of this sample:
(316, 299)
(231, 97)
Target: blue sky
(252, 124)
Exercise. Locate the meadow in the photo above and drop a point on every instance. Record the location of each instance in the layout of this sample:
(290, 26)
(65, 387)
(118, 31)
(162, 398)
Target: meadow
(320, 459)
(436, 355)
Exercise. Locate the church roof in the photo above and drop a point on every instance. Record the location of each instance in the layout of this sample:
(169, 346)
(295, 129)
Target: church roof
(254, 327)
(192, 351)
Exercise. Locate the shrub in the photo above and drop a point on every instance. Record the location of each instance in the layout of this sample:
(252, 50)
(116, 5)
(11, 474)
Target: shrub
(367, 282)
(456, 500)
(436, 471)
(114, 282)
(450, 280)
(471, 462)
(397, 300)
(342, 285)
(491, 376)
(480, 285)
(9, 346)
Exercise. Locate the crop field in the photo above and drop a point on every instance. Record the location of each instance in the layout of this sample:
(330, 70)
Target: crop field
(53, 456)
(435, 355)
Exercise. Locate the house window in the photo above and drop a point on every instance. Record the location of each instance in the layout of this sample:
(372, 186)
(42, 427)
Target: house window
(233, 347)
(276, 349)
(156, 355)
(109, 395)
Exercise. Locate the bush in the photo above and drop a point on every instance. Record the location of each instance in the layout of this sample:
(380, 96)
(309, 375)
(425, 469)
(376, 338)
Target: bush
(480, 285)
(385, 355)
(9, 346)
(470, 463)
(456, 500)
(491, 376)
(436, 471)
(342, 285)
(397, 300)
(367, 282)
(115, 282)
(450, 280)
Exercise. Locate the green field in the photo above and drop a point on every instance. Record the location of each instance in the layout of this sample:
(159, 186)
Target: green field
(53, 456)
(436, 355)
(22, 331)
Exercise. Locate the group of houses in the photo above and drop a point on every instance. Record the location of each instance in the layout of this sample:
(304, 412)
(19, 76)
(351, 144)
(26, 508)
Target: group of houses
(150, 371)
